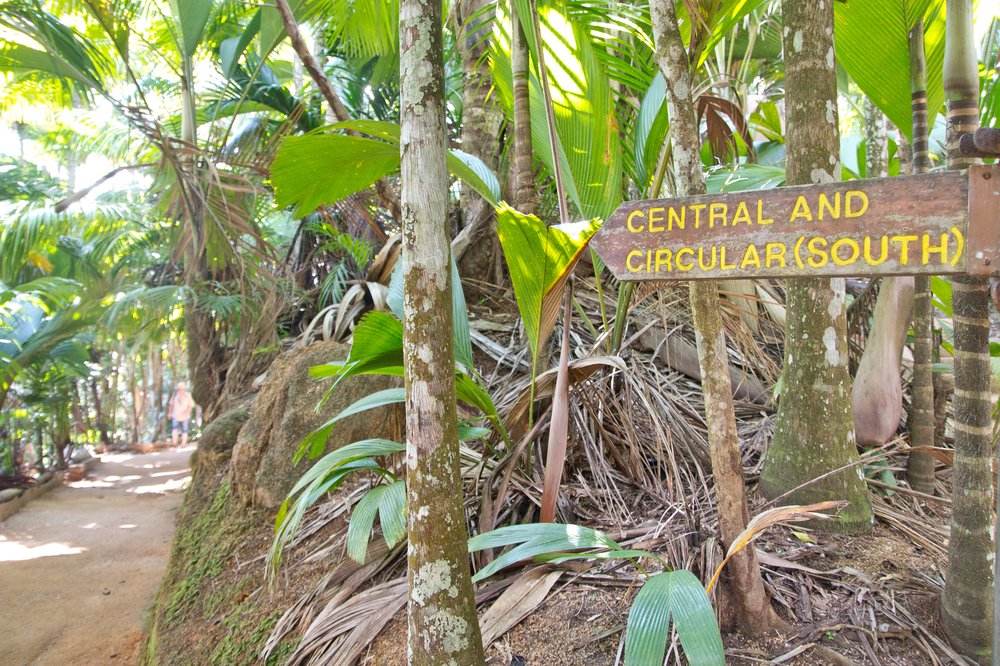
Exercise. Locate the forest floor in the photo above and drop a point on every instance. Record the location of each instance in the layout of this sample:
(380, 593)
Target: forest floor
(80, 566)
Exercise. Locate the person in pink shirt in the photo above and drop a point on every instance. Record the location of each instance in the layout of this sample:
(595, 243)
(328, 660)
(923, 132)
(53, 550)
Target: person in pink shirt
(179, 412)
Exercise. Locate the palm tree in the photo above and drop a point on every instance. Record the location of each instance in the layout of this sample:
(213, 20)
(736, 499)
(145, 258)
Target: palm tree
(967, 602)
(202, 180)
(816, 382)
(444, 628)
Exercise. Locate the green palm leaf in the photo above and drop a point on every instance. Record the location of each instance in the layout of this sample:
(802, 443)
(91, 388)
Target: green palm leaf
(650, 132)
(872, 44)
(190, 17)
(729, 15)
(312, 170)
(540, 259)
(680, 597)
(65, 54)
(389, 502)
(588, 143)
(349, 164)
(315, 441)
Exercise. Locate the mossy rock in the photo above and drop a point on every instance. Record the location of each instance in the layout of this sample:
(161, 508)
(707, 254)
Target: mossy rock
(285, 411)
(215, 446)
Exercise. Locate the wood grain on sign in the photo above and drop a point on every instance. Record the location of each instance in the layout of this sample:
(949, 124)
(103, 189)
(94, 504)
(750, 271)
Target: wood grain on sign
(984, 220)
(888, 226)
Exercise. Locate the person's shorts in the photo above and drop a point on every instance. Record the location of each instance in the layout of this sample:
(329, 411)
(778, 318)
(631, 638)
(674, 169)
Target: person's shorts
(180, 425)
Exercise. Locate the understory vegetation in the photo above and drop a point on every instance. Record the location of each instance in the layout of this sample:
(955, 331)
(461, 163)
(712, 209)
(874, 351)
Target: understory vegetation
(435, 424)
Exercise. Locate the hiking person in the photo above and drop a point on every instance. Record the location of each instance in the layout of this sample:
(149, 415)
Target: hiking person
(179, 412)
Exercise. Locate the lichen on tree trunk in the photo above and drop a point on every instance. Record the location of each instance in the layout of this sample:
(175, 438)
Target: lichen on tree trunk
(967, 602)
(814, 433)
(442, 622)
(744, 584)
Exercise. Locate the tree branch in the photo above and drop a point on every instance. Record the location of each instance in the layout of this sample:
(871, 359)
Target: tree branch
(387, 197)
(62, 205)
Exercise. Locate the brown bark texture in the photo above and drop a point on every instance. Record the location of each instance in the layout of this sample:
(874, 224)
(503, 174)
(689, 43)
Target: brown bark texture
(814, 432)
(967, 601)
(744, 584)
(442, 622)
(523, 172)
(920, 464)
(481, 121)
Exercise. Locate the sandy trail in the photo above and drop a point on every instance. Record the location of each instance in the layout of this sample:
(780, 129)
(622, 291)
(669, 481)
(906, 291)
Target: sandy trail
(80, 566)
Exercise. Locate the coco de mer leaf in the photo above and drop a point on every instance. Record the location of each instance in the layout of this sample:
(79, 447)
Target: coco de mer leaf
(540, 259)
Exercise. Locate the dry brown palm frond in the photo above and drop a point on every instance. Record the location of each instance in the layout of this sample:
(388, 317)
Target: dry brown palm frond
(337, 321)
(523, 596)
(770, 517)
(859, 314)
(348, 624)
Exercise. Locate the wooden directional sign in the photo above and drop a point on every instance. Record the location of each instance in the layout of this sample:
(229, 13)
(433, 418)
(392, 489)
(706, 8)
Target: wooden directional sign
(934, 224)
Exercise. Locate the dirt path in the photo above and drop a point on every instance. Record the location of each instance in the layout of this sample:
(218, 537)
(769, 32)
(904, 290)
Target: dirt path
(80, 566)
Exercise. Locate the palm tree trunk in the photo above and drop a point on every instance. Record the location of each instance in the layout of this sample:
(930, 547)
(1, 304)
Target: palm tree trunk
(481, 119)
(920, 464)
(877, 394)
(744, 583)
(876, 149)
(102, 426)
(206, 357)
(525, 196)
(967, 602)
(443, 627)
(132, 415)
(816, 385)
(111, 400)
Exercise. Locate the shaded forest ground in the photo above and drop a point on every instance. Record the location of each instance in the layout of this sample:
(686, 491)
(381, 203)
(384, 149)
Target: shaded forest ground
(80, 566)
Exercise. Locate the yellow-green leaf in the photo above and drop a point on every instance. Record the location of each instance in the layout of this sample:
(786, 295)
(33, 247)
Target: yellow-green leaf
(540, 259)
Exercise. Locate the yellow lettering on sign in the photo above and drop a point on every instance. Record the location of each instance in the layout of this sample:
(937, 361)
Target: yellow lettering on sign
(697, 208)
(774, 252)
(655, 215)
(869, 259)
(717, 212)
(701, 259)
(722, 260)
(628, 261)
(904, 246)
(663, 259)
(855, 203)
(853, 251)
(801, 210)
(742, 214)
(760, 213)
(750, 257)
(680, 255)
(817, 252)
(824, 204)
(926, 249)
(631, 228)
(675, 220)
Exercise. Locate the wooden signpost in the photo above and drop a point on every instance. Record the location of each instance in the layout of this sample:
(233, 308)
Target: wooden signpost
(934, 224)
